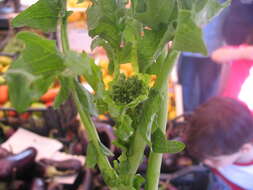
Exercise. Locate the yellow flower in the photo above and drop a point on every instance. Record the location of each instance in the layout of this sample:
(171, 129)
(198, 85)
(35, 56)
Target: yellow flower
(107, 79)
(127, 69)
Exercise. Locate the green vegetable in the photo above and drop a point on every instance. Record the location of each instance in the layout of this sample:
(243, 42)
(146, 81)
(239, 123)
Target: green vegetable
(139, 35)
(125, 91)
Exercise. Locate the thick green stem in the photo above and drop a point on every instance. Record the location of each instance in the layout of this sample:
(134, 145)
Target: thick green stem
(138, 144)
(155, 159)
(136, 155)
(103, 163)
(63, 28)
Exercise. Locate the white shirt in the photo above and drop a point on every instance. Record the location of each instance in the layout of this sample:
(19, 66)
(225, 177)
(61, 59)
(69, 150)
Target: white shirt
(239, 174)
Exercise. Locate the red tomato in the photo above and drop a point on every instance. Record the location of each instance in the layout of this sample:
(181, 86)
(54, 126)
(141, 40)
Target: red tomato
(50, 95)
(3, 94)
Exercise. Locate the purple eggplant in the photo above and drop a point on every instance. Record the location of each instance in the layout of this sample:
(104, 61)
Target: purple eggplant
(54, 186)
(64, 165)
(78, 148)
(17, 163)
(38, 184)
(50, 168)
(106, 135)
(86, 180)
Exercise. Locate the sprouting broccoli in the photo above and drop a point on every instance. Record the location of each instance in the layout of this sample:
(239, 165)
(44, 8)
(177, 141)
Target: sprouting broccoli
(132, 90)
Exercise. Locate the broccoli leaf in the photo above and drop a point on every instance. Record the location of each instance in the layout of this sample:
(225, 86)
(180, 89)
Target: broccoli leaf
(205, 10)
(131, 35)
(108, 32)
(40, 56)
(123, 128)
(85, 98)
(93, 75)
(150, 109)
(128, 54)
(105, 150)
(19, 82)
(25, 87)
(95, 80)
(123, 167)
(185, 4)
(103, 22)
(92, 156)
(156, 12)
(152, 45)
(64, 92)
(193, 15)
(155, 69)
(40, 85)
(42, 15)
(188, 35)
(161, 145)
(81, 64)
(114, 109)
(100, 9)
(132, 30)
(147, 47)
(106, 23)
(138, 181)
(38, 65)
(77, 64)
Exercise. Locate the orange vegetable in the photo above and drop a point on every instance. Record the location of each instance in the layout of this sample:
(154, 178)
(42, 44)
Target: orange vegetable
(25, 116)
(75, 16)
(3, 94)
(11, 113)
(50, 95)
(48, 104)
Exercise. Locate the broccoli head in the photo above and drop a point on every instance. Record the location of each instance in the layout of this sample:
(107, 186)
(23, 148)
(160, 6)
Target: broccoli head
(129, 91)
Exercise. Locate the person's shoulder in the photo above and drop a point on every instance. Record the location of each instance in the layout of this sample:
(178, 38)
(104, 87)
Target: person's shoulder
(227, 54)
(246, 1)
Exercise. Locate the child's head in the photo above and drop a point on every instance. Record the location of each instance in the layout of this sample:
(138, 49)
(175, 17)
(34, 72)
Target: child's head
(218, 130)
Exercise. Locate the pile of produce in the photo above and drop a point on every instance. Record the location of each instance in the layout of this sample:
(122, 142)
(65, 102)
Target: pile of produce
(21, 172)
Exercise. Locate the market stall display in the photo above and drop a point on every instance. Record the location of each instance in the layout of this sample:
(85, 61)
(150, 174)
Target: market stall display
(107, 103)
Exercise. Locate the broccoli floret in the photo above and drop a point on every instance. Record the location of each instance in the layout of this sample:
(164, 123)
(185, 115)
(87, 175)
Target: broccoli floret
(125, 90)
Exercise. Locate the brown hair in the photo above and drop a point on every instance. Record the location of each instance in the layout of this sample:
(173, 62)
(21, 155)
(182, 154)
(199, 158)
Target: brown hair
(219, 127)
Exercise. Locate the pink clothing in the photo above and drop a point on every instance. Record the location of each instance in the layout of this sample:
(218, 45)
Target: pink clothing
(238, 73)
